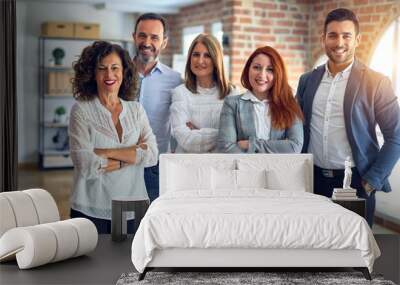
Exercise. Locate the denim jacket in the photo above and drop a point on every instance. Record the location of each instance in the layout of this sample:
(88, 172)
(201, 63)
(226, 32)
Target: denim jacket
(237, 123)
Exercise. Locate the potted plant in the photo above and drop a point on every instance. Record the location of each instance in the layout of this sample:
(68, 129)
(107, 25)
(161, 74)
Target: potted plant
(60, 115)
(58, 54)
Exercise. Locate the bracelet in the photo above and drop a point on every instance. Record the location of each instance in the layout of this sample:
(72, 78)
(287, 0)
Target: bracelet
(120, 164)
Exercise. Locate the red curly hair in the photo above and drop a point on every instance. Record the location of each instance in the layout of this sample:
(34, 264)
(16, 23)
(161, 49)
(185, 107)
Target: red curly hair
(283, 105)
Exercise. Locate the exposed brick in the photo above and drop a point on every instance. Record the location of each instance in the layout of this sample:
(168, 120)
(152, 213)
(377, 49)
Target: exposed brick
(298, 16)
(279, 46)
(293, 27)
(267, 6)
(368, 29)
(364, 18)
(283, 7)
(256, 29)
(375, 18)
(265, 38)
(331, 6)
(360, 2)
(260, 13)
(281, 31)
(383, 8)
(246, 20)
(367, 10)
(293, 39)
(300, 32)
(284, 23)
(318, 8)
(265, 22)
(276, 14)
(299, 47)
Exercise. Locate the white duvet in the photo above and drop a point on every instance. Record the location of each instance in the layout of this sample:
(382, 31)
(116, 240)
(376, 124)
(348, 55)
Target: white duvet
(250, 219)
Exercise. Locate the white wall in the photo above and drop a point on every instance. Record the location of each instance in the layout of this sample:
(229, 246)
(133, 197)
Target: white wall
(389, 203)
(30, 15)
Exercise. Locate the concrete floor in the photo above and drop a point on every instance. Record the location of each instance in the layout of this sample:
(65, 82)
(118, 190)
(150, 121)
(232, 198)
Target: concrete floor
(59, 184)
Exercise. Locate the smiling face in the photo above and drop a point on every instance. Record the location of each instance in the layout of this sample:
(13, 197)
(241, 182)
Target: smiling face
(201, 63)
(261, 76)
(109, 74)
(340, 42)
(149, 40)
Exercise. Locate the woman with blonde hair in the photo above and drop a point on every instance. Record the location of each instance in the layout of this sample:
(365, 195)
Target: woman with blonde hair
(267, 118)
(196, 104)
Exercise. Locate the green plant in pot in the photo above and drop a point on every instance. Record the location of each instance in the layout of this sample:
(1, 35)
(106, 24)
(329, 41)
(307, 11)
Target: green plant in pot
(58, 54)
(60, 115)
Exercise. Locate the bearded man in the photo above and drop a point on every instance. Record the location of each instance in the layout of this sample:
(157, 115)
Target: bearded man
(156, 81)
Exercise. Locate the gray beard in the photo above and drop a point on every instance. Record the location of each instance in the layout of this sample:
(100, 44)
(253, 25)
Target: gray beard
(144, 60)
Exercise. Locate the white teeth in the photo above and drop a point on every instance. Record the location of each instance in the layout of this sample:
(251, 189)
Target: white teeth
(109, 82)
(339, 51)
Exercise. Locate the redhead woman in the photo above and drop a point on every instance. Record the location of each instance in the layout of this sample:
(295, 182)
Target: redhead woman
(266, 118)
(197, 103)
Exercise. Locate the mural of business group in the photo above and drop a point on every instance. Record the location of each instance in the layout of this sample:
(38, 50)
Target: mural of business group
(127, 112)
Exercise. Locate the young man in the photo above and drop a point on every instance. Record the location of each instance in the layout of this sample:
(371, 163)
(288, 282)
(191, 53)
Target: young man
(343, 101)
(156, 82)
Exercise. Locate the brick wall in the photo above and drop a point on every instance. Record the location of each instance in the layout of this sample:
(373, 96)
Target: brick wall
(293, 27)
(200, 14)
(280, 24)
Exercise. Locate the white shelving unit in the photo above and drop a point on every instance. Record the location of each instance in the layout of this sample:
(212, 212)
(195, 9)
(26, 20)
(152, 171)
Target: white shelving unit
(53, 133)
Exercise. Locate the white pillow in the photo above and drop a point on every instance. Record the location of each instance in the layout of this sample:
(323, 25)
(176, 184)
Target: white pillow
(223, 180)
(251, 179)
(291, 179)
(188, 177)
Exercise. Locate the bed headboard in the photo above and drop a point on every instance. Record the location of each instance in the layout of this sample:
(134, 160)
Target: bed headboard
(290, 166)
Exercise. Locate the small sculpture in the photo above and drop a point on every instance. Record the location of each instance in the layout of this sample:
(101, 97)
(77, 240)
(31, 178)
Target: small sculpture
(347, 174)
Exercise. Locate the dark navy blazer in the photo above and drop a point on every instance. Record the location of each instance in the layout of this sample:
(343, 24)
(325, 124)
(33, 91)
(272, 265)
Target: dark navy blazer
(369, 100)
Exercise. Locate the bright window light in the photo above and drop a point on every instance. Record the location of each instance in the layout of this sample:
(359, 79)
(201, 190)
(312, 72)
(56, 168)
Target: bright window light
(386, 57)
(188, 35)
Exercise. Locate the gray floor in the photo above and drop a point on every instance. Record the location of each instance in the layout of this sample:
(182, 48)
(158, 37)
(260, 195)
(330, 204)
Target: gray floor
(103, 266)
(111, 259)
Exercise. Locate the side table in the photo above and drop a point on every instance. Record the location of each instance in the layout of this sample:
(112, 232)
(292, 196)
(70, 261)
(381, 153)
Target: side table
(120, 207)
(357, 205)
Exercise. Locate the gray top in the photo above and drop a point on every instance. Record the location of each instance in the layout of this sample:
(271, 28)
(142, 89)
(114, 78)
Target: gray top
(237, 123)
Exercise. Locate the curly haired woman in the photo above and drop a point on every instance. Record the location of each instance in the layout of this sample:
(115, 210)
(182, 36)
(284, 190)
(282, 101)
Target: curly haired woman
(110, 136)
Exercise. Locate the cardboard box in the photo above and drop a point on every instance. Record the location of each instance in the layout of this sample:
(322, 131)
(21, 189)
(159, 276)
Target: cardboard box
(87, 30)
(59, 83)
(58, 29)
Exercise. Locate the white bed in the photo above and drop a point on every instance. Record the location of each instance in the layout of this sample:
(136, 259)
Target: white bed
(228, 210)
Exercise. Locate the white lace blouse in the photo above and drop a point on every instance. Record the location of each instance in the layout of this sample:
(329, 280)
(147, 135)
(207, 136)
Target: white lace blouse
(90, 127)
(202, 110)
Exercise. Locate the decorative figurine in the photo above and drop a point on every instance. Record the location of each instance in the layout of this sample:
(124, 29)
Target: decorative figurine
(347, 174)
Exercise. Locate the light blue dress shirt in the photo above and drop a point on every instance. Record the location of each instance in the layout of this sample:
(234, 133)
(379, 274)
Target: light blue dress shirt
(155, 96)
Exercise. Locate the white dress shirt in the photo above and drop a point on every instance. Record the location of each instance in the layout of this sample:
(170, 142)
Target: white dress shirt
(90, 127)
(328, 139)
(203, 111)
(262, 116)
